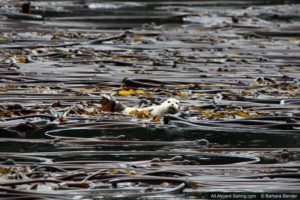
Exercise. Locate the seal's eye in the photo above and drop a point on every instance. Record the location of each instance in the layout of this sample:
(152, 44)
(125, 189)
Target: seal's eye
(177, 103)
(169, 101)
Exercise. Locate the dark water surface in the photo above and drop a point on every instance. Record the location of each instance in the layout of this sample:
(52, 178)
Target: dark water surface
(234, 66)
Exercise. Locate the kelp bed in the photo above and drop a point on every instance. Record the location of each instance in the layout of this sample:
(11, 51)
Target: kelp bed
(234, 66)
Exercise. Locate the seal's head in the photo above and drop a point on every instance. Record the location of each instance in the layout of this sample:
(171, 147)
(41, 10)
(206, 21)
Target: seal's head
(171, 106)
(109, 104)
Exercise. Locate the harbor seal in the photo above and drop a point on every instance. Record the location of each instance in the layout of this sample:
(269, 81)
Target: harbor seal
(170, 106)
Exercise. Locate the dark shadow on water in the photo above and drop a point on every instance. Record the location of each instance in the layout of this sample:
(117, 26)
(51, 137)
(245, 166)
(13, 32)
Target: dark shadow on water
(221, 139)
